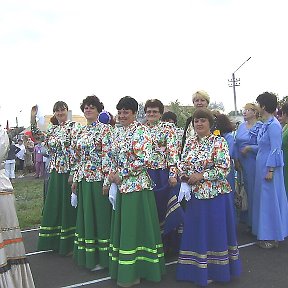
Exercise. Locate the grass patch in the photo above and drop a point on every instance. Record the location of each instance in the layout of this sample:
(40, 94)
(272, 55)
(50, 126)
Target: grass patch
(29, 201)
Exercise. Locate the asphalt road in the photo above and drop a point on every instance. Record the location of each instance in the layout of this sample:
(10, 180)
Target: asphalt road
(262, 268)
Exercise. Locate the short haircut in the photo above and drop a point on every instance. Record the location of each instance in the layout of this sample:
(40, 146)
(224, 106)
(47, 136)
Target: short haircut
(92, 101)
(224, 124)
(203, 113)
(169, 115)
(154, 103)
(267, 101)
(127, 103)
(201, 94)
(253, 107)
(60, 105)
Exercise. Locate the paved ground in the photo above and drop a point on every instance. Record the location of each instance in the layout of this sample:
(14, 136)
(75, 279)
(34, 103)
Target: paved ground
(261, 268)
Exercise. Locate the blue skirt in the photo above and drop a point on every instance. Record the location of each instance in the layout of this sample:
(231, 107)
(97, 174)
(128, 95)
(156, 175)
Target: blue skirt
(209, 249)
(170, 212)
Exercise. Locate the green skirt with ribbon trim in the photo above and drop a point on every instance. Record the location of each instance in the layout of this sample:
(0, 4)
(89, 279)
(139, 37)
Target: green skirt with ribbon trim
(136, 250)
(92, 225)
(57, 230)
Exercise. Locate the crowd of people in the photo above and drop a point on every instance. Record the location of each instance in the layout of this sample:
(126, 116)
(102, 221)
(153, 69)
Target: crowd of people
(25, 157)
(123, 197)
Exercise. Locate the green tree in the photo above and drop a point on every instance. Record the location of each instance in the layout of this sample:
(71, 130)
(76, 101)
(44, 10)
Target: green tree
(282, 101)
(216, 106)
(182, 112)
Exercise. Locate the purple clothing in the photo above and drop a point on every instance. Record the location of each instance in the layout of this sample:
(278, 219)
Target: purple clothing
(38, 156)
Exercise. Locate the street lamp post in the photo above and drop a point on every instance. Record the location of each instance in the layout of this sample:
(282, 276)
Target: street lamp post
(236, 82)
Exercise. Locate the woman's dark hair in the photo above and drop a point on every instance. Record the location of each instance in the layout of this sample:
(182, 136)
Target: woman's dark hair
(279, 112)
(203, 113)
(154, 103)
(127, 103)
(169, 116)
(284, 108)
(54, 120)
(223, 124)
(267, 101)
(94, 101)
(60, 105)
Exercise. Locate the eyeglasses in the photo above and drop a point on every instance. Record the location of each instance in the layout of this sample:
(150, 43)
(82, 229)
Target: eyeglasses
(152, 111)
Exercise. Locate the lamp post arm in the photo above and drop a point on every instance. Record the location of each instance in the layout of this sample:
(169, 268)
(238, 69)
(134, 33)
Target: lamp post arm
(242, 64)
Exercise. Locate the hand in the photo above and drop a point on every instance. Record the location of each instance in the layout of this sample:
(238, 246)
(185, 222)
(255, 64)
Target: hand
(74, 188)
(105, 190)
(245, 150)
(111, 177)
(237, 165)
(269, 176)
(194, 178)
(70, 179)
(117, 179)
(172, 181)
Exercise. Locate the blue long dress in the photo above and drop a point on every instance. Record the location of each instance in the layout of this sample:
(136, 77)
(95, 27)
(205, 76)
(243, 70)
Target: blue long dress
(231, 176)
(270, 206)
(247, 137)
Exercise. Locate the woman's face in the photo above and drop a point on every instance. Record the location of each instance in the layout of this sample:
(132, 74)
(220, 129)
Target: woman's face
(200, 102)
(61, 115)
(153, 114)
(90, 113)
(249, 114)
(126, 117)
(202, 126)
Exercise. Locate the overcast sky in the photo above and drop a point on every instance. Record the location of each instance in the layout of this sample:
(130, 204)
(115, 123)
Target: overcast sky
(66, 50)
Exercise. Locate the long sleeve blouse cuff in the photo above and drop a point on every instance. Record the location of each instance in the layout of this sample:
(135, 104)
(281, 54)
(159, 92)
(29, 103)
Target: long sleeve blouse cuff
(275, 158)
(173, 172)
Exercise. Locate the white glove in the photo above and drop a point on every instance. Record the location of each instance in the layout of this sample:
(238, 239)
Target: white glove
(113, 194)
(74, 200)
(185, 191)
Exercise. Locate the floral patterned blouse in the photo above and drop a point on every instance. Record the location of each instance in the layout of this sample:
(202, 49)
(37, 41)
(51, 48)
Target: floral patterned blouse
(211, 156)
(58, 142)
(92, 147)
(165, 147)
(131, 152)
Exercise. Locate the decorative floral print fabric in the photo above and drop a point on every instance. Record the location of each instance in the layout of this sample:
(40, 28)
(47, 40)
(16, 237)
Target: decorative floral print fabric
(165, 147)
(58, 142)
(131, 152)
(92, 147)
(209, 155)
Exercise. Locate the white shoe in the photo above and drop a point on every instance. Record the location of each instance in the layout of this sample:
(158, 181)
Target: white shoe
(97, 267)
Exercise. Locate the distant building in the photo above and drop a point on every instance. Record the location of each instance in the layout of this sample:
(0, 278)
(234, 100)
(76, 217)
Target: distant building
(77, 118)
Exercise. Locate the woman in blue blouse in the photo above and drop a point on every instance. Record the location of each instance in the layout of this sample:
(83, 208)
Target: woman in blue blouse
(245, 152)
(270, 207)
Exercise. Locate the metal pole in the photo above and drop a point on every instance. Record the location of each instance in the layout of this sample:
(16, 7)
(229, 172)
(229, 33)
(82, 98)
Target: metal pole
(234, 92)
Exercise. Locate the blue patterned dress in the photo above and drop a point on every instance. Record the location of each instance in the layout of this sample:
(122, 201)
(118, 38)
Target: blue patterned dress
(270, 207)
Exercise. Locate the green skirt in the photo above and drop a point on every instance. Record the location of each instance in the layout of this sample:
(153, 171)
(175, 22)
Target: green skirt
(57, 230)
(92, 225)
(136, 250)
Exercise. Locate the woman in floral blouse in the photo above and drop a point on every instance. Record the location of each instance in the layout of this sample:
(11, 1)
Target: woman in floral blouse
(91, 145)
(136, 250)
(208, 248)
(57, 228)
(163, 172)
